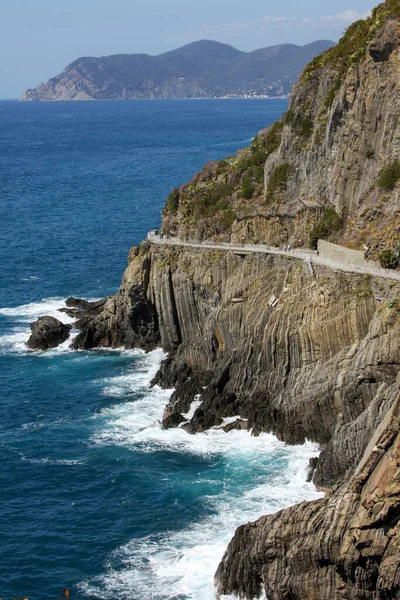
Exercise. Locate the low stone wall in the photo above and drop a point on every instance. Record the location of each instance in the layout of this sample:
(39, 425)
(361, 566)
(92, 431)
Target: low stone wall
(340, 254)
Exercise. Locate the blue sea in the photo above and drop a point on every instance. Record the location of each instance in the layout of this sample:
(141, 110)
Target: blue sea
(94, 496)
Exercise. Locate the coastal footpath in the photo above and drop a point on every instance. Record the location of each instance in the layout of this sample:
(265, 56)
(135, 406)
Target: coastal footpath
(258, 327)
(328, 255)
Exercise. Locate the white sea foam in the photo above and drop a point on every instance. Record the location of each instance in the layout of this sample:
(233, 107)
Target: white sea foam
(19, 317)
(181, 565)
(51, 461)
(28, 312)
(193, 407)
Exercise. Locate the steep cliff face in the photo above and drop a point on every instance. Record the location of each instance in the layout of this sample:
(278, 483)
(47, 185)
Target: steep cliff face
(305, 354)
(342, 130)
(326, 162)
(320, 364)
(345, 546)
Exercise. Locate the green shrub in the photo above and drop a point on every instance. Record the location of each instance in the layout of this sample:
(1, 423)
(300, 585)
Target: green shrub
(388, 259)
(370, 153)
(328, 223)
(389, 176)
(302, 125)
(262, 146)
(331, 95)
(289, 117)
(248, 188)
(227, 218)
(352, 47)
(278, 179)
(172, 203)
(208, 201)
(222, 166)
(143, 248)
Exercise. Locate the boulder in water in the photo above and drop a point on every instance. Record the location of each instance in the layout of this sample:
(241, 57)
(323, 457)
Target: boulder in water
(47, 332)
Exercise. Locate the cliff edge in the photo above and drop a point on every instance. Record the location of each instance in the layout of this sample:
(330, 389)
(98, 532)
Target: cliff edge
(279, 346)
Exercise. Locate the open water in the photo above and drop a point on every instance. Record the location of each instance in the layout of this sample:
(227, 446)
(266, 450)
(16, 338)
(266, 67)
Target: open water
(94, 496)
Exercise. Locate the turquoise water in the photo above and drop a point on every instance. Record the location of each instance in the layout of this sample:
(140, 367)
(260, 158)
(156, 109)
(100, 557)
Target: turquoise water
(94, 495)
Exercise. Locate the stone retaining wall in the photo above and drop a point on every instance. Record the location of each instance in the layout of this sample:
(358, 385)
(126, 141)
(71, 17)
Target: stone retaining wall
(340, 254)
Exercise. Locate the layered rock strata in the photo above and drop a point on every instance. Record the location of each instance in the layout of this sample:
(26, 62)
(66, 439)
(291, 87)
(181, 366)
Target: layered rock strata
(345, 546)
(320, 364)
(305, 355)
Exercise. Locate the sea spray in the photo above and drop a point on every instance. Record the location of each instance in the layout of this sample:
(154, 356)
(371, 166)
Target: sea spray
(249, 477)
(15, 325)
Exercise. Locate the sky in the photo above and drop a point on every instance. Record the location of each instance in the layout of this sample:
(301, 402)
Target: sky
(38, 38)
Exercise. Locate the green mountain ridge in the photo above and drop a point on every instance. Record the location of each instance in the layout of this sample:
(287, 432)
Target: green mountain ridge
(203, 69)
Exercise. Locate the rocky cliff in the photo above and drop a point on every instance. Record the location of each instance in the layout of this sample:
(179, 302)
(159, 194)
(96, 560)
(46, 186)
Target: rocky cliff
(203, 69)
(305, 354)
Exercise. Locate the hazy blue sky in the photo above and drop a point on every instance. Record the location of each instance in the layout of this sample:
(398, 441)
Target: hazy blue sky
(38, 38)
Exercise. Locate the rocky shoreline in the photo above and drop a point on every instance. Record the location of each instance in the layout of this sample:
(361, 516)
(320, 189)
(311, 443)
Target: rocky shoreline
(304, 354)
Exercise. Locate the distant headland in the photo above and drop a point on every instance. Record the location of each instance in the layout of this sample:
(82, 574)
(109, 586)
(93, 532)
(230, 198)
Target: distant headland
(203, 69)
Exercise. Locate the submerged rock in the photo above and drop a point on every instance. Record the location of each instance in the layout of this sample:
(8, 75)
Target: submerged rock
(47, 332)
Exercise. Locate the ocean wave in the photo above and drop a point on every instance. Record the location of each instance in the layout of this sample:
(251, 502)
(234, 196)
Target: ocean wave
(182, 564)
(33, 310)
(17, 321)
(135, 424)
(140, 376)
(51, 461)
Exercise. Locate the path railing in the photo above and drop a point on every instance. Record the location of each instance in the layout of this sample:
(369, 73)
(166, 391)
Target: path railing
(308, 256)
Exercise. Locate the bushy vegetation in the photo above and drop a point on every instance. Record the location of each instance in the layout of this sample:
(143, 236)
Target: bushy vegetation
(329, 222)
(143, 248)
(351, 48)
(247, 189)
(262, 146)
(210, 193)
(172, 203)
(278, 179)
(387, 258)
(331, 95)
(301, 124)
(389, 176)
(205, 202)
(227, 218)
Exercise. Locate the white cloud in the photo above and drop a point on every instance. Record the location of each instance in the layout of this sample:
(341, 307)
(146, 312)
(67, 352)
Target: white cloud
(272, 24)
(348, 16)
(230, 26)
(276, 19)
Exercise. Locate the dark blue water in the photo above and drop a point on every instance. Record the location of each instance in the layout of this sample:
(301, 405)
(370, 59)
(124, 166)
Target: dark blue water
(93, 495)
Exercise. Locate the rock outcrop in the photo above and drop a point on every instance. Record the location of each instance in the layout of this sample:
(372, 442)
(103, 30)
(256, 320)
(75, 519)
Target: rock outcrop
(82, 310)
(318, 365)
(47, 332)
(345, 546)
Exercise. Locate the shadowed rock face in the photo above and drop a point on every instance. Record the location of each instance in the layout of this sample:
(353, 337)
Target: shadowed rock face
(82, 310)
(47, 332)
(320, 365)
(381, 47)
(345, 546)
